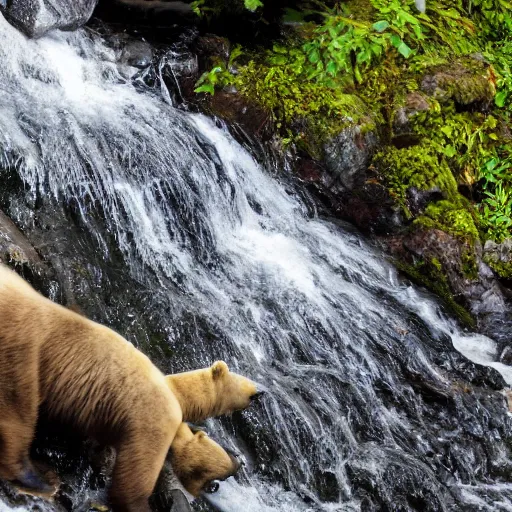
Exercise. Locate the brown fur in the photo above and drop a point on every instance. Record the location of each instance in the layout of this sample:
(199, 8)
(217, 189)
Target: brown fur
(197, 460)
(88, 375)
(211, 391)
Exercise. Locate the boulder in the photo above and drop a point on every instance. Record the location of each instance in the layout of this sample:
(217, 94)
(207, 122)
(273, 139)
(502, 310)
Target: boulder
(348, 155)
(478, 288)
(499, 257)
(37, 17)
(466, 82)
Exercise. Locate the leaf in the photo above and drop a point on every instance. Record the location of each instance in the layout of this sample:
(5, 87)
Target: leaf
(450, 151)
(501, 98)
(380, 26)
(331, 68)
(447, 130)
(252, 5)
(409, 18)
(314, 56)
(404, 50)
(396, 41)
(206, 88)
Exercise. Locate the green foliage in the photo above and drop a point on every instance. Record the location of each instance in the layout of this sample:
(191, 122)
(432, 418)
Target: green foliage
(342, 46)
(219, 76)
(465, 139)
(359, 59)
(501, 57)
(496, 212)
(494, 17)
(502, 268)
(304, 105)
(496, 207)
(201, 7)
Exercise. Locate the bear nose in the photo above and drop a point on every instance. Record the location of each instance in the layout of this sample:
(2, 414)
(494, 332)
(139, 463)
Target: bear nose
(259, 393)
(236, 457)
(212, 487)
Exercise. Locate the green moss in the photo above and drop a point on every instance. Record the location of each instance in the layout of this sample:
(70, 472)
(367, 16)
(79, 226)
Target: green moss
(418, 166)
(467, 80)
(305, 111)
(430, 275)
(503, 269)
(455, 219)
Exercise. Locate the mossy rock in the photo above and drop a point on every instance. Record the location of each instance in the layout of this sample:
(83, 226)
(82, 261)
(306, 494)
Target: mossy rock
(499, 258)
(419, 167)
(466, 81)
(452, 218)
(429, 273)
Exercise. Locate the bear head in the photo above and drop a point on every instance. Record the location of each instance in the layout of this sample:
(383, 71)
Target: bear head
(198, 460)
(212, 391)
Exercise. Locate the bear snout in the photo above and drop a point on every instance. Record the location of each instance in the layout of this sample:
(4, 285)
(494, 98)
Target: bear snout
(236, 458)
(259, 393)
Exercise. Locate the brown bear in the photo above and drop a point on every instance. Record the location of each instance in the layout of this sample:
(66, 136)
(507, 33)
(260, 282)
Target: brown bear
(87, 375)
(220, 391)
(197, 460)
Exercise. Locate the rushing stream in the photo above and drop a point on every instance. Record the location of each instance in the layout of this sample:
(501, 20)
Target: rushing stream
(369, 407)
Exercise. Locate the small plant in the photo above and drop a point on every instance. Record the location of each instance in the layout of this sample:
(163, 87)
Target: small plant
(494, 171)
(496, 212)
(219, 76)
(202, 6)
(342, 46)
(496, 208)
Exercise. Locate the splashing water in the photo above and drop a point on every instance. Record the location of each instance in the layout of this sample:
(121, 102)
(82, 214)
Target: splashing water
(368, 405)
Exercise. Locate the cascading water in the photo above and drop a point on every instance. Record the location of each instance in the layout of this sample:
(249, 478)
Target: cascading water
(369, 407)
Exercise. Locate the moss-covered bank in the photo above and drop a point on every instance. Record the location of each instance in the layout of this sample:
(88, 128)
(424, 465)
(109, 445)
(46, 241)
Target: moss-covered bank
(435, 89)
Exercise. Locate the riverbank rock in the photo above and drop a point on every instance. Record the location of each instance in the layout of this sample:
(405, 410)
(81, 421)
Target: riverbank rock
(466, 82)
(37, 17)
(348, 155)
(499, 258)
(467, 276)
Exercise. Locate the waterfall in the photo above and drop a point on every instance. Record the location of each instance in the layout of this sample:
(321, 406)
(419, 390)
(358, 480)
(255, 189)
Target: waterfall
(369, 405)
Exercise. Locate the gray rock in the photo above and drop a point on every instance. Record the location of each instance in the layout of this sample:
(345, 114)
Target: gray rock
(15, 249)
(138, 54)
(37, 17)
(414, 102)
(481, 293)
(499, 252)
(348, 155)
(467, 82)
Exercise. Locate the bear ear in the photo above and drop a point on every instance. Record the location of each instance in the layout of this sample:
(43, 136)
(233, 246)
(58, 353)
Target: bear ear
(219, 369)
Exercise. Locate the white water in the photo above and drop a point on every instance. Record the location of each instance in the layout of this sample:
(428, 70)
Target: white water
(299, 304)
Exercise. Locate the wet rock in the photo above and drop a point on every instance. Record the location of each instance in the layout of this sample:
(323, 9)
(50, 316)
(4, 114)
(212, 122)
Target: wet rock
(37, 17)
(418, 200)
(371, 208)
(467, 83)
(506, 356)
(499, 257)
(209, 46)
(233, 108)
(414, 102)
(14, 247)
(348, 155)
(475, 287)
(138, 54)
(17, 252)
